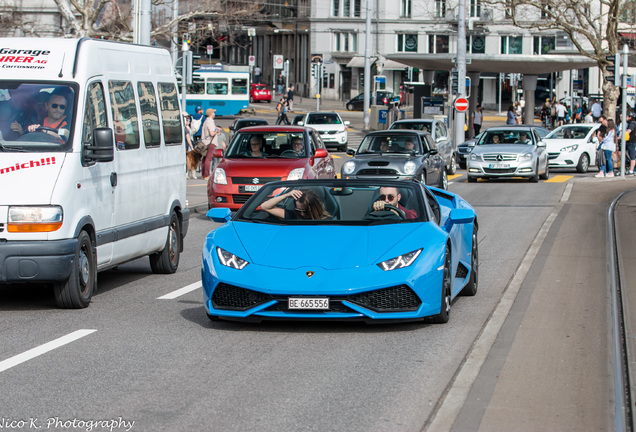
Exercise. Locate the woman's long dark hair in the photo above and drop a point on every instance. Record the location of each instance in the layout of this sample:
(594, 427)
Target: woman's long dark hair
(315, 207)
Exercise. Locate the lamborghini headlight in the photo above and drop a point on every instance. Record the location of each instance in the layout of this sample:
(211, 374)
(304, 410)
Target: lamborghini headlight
(230, 260)
(570, 148)
(34, 219)
(401, 261)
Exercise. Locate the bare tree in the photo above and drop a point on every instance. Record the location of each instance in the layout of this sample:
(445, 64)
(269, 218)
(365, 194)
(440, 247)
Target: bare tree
(591, 25)
(221, 20)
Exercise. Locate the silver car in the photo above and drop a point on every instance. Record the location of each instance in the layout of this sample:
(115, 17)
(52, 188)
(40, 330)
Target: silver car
(509, 152)
(397, 155)
(438, 130)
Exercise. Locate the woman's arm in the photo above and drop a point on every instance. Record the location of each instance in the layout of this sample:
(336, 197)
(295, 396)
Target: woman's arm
(270, 205)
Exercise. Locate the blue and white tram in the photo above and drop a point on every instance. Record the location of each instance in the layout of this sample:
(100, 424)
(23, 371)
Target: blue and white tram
(225, 91)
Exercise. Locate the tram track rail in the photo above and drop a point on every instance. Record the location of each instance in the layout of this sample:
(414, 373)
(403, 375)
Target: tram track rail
(624, 399)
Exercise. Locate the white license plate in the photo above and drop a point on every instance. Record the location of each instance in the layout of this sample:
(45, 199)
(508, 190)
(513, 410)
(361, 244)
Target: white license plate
(499, 166)
(308, 303)
(252, 188)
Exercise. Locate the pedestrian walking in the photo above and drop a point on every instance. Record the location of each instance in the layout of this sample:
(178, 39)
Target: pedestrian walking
(280, 83)
(597, 110)
(478, 117)
(257, 75)
(210, 140)
(282, 111)
(511, 116)
(290, 98)
(630, 146)
(560, 113)
(608, 145)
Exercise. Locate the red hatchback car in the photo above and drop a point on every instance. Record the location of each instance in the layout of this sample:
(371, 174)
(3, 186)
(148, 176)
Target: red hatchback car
(261, 154)
(259, 93)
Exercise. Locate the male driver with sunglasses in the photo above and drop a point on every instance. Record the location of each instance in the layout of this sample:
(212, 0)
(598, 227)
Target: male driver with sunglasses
(391, 196)
(55, 119)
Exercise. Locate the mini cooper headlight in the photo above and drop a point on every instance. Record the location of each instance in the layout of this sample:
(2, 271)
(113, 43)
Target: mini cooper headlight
(296, 174)
(525, 157)
(35, 219)
(401, 261)
(219, 176)
(570, 148)
(349, 167)
(230, 260)
(474, 157)
(409, 168)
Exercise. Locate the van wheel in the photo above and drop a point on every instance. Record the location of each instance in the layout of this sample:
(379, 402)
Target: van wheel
(167, 261)
(77, 290)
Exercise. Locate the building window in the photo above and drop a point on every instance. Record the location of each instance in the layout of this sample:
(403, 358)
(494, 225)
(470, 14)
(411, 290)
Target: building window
(511, 45)
(346, 8)
(543, 44)
(440, 8)
(438, 44)
(563, 40)
(407, 42)
(336, 8)
(477, 44)
(405, 9)
(356, 8)
(345, 42)
(475, 8)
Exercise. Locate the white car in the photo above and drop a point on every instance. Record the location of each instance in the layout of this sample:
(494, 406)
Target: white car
(329, 124)
(573, 146)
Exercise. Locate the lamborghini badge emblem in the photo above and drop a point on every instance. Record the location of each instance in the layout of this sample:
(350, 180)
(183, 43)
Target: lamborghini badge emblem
(309, 274)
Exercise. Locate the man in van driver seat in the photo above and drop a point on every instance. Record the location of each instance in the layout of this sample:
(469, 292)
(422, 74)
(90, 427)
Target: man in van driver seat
(55, 118)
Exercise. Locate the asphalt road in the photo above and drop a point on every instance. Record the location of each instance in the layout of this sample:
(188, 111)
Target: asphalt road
(529, 352)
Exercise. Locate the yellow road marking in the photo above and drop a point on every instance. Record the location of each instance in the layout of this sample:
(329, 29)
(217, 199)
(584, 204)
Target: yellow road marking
(559, 179)
(454, 176)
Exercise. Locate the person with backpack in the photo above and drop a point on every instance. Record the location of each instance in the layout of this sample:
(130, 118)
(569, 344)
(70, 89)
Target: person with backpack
(282, 111)
(196, 124)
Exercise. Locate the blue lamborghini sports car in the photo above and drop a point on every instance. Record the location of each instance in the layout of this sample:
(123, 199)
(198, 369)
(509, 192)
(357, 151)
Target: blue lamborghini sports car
(367, 250)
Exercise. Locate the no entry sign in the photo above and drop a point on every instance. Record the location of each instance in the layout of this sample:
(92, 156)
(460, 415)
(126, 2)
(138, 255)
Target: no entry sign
(461, 104)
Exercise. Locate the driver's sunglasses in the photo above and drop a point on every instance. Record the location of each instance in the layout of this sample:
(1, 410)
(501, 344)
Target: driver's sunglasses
(54, 106)
(301, 211)
(384, 197)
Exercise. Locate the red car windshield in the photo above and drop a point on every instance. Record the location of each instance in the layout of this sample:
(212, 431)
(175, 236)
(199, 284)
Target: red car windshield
(268, 145)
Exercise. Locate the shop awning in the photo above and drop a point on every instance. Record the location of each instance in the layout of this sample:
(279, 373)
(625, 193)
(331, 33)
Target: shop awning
(393, 65)
(358, 61)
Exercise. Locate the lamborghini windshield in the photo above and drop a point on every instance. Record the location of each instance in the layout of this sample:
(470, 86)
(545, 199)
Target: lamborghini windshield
(319, 203)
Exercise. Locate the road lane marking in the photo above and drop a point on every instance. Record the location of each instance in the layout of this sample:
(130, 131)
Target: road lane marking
(454, 176)
(182, 291)
(42, 349)
(443, 418)
(559, 179)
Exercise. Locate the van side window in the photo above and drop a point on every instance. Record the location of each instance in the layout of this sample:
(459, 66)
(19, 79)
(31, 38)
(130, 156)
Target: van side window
(149, 114)
(95, 111)
(122, 101)
(170, 117)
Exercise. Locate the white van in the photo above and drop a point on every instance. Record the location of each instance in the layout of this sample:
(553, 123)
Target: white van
(92, 162)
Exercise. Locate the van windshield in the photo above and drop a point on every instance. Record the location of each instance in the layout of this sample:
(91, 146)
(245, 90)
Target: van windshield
(36, 117)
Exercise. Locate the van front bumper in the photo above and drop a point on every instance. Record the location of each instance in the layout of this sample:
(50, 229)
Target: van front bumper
(36, 261)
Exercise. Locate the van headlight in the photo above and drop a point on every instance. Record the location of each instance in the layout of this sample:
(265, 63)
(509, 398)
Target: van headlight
(34, 219)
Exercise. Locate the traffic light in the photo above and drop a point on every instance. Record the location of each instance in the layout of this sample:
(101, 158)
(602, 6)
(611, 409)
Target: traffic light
(454, 85)
(615, 67)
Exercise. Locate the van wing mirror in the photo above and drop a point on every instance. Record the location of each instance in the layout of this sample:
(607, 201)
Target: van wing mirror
(102, 148)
